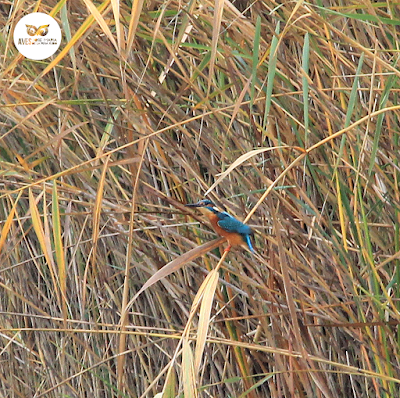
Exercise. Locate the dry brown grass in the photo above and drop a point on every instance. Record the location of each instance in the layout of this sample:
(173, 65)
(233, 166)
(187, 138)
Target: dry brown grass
(101, 147)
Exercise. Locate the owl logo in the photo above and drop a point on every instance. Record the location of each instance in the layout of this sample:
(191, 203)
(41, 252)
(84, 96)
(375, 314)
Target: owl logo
(40, 31)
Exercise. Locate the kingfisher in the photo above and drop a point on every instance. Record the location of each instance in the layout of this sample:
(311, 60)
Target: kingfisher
(235, 232)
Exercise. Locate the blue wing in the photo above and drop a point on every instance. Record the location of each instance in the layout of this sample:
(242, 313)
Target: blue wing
(231, 224)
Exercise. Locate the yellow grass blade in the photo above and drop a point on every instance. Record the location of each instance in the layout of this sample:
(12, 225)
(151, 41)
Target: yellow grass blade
(189, 380)
(96, 225)
(40, 232)
(170, 386)
(210, 284)
(241, 159)
(100, 20)
(176, 264)
(120, 36)
(135, 14)
(8, 223)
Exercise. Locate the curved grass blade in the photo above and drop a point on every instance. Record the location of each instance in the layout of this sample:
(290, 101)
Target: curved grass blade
(177, 264)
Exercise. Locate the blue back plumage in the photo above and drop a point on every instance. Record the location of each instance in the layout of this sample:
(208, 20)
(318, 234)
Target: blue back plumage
(231, 224)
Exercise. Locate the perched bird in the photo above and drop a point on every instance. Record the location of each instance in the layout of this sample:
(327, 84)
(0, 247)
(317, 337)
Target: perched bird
(235, 232)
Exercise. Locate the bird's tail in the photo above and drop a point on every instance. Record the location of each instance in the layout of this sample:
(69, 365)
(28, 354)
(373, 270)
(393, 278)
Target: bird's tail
(248, 242)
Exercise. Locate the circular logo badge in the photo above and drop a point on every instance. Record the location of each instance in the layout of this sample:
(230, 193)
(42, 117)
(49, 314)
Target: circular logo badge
(37, 36)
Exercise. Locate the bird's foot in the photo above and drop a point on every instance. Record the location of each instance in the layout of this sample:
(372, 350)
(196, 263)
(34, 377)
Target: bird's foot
(228, 248)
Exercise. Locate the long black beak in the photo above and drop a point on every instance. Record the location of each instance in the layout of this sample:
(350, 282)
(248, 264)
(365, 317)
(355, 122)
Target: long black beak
(192, 205)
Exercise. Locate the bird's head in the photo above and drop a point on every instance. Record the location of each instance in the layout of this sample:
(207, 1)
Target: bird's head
(205, 206)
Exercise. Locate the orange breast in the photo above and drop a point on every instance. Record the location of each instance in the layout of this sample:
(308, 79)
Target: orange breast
(233, 238)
